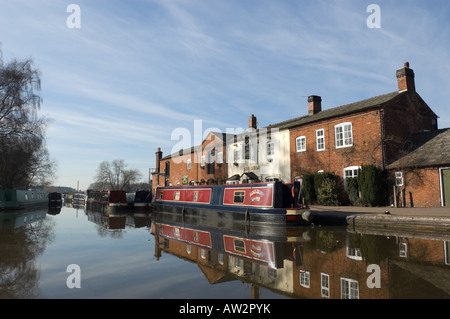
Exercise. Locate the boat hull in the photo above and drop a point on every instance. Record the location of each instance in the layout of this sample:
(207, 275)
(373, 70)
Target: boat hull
(242, 204)
(21, 199)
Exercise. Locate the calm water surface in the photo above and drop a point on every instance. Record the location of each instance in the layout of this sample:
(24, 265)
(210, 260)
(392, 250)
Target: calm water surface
(137, 255)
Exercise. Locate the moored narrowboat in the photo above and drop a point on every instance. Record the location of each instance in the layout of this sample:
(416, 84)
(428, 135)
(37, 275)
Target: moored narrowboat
(271, 203)
(54, 199)
(106, 201)
(11, 199)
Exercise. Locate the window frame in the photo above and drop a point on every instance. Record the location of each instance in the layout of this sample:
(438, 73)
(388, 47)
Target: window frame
(324, 289)
(318, 149)
(344, 139)
(398, 176)
(188, 163)
(297, 139)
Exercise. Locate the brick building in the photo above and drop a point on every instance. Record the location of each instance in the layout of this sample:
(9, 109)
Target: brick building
(421, 174)
(341, 139)
(199, 164)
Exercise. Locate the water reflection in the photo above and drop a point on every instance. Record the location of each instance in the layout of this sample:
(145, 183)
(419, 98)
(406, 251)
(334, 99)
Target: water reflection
(147, 255)
(307, 262)
(113, 224)
(23, 237)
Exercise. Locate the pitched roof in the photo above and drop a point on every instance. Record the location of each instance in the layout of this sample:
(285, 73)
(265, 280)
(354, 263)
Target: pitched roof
(339, 111)
(424, 150)
(192, 149)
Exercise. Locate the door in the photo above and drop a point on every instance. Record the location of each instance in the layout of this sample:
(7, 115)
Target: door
(446, 187)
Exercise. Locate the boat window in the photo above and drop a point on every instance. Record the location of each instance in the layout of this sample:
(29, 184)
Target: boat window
(176, 196)
(161, 193)
(239, 197)
(195, 196)
(239, 245)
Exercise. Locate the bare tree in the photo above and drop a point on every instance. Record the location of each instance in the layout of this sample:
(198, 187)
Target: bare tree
(24, 158)
(115, 175)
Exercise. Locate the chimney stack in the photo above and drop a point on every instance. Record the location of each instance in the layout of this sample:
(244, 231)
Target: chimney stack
(158, 160)
(405, 78)
(252, 122)
(314, 104)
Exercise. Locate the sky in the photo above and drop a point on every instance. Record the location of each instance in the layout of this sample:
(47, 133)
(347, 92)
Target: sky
(121, 77)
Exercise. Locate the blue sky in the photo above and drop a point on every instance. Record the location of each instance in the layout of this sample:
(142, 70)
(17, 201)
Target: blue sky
(136, 70)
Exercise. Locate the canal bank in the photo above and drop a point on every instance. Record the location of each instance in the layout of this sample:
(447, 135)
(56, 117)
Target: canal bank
(423, 219)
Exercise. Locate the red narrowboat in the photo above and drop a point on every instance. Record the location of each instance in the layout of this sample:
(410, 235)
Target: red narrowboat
(271, 203)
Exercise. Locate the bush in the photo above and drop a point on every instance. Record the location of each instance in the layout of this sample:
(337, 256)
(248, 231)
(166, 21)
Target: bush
(308, 192)
(327, 191)
(352, 190)
(372, 185)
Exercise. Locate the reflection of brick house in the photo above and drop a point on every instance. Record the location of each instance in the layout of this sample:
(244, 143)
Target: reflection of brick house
(340, 139)
(421, 173)
(200, 164)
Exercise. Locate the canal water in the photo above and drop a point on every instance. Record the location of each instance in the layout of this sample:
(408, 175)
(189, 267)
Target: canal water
(74, 253)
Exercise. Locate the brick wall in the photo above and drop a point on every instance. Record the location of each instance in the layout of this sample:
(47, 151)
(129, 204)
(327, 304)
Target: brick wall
(196, 172)
(366, 147)
(421, 187)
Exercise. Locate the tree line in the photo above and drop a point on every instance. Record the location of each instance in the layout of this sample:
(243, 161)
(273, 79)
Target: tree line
(24, 158)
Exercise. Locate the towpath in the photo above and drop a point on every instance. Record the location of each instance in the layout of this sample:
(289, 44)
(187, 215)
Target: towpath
(430, 219)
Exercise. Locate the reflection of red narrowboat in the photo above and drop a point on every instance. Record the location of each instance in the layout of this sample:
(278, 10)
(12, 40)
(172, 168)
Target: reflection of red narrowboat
(270, 250)
(257, 250)
(267, 203)
(110, 200)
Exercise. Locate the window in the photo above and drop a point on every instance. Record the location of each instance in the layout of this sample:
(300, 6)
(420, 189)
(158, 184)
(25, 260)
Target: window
(325, 285)
(403, 250)
(398, 179)
(349, 289)
(188, 163)
(270, 148)
(161, 193)
(447, 252)
(239, 245)
(176, 195)
(351, 171)
(343, 135)
(236, 155)
(320, 139)
(304, 278)
(219, 158)
(202, 161)
(300, 143)
(239, 197)
(167, 169)
(195, 196)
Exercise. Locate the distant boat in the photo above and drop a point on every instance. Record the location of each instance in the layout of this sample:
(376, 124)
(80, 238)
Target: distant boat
(54, 199)
(22, 199)
(110, 201)
(270, 203)
(79, 198)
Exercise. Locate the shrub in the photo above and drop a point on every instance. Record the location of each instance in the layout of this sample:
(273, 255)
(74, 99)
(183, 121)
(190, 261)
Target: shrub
(372, 185)
(352, 190)
(308, 192)
(327, 191)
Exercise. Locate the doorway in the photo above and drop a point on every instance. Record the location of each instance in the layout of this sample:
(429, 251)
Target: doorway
(445, 189)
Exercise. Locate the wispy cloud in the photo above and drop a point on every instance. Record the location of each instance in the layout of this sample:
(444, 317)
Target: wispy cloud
(136, 70)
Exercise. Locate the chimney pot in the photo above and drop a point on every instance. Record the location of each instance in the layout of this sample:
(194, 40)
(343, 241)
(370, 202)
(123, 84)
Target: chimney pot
(405, 79)
(314, 104)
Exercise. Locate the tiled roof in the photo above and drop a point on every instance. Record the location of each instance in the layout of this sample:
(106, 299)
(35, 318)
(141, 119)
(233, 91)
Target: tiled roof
(338, 111)
(192, 149)
(424, 150)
